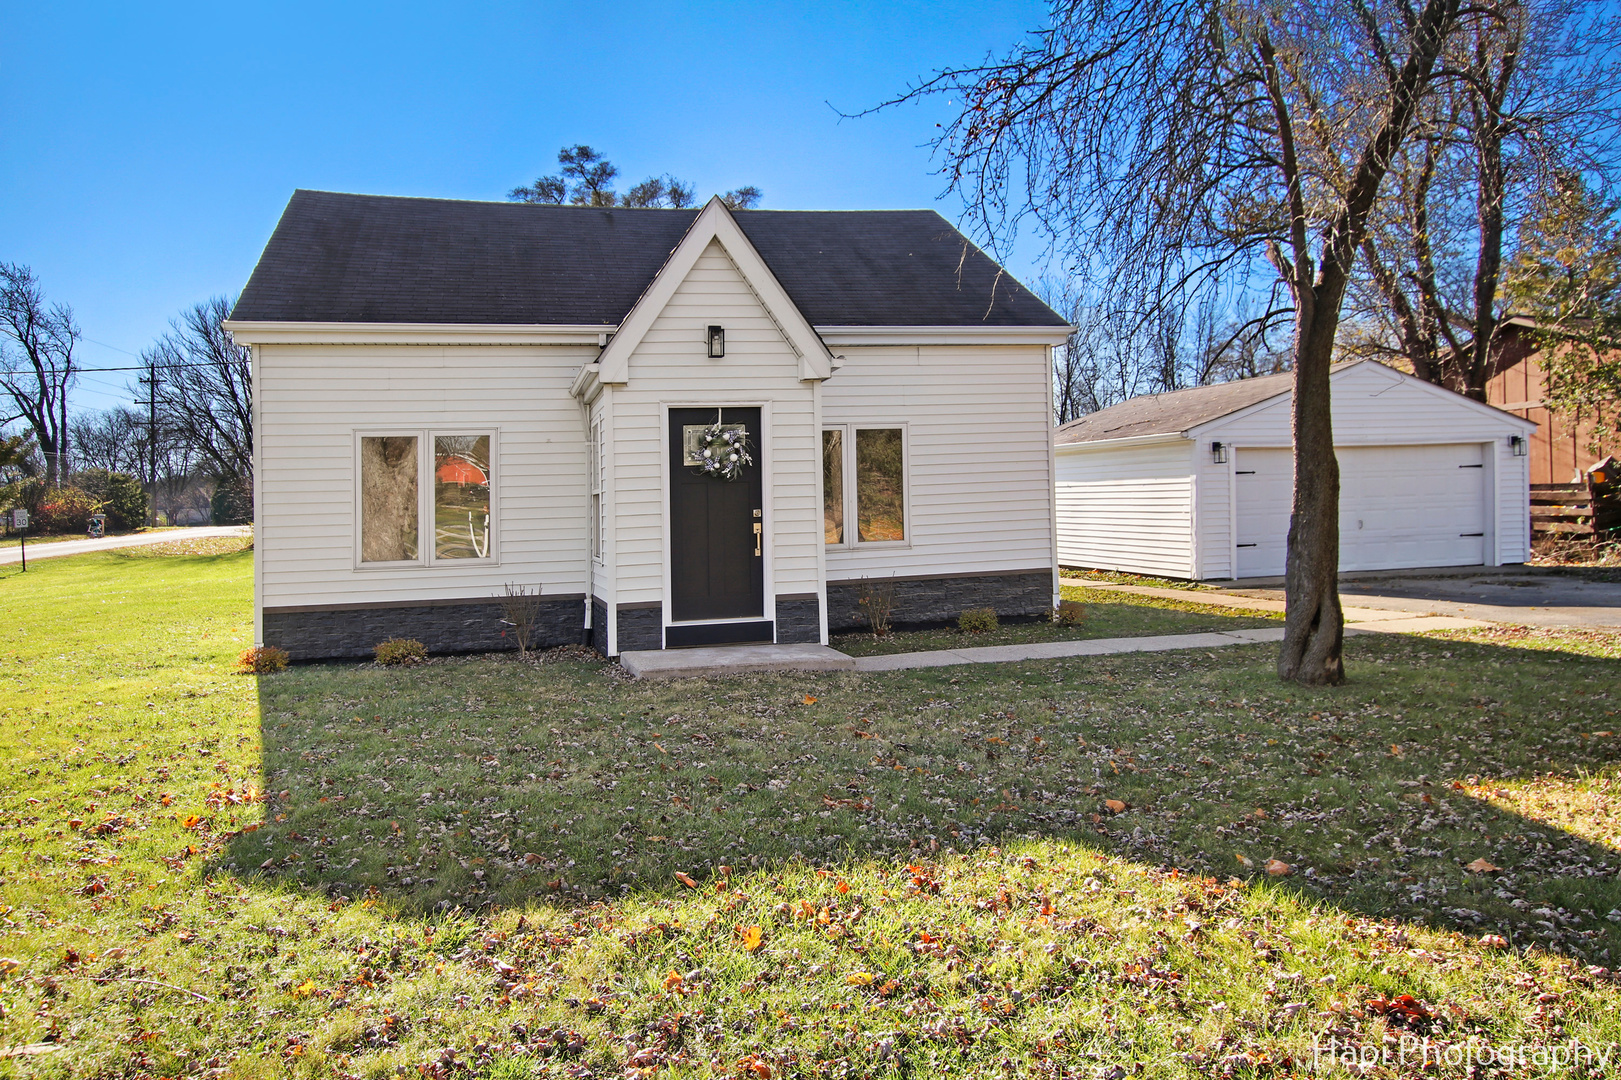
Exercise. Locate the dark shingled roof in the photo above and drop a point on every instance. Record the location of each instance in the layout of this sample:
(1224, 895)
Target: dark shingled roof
(373, 258)
(1177, 411)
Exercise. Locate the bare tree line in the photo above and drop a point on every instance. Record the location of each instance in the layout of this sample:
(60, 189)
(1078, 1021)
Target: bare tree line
(189, 440)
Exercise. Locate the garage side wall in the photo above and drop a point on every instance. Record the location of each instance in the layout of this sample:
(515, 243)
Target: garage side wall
(1512, 480)
(1127, 508)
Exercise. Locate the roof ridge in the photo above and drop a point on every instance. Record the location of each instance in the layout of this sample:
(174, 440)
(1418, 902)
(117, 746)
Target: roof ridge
(572, 206)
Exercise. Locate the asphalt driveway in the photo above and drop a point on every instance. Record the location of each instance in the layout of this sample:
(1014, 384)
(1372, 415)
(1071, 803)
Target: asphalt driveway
(1525, 596)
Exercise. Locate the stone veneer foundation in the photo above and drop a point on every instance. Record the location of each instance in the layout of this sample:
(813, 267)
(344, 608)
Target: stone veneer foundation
(323, 632)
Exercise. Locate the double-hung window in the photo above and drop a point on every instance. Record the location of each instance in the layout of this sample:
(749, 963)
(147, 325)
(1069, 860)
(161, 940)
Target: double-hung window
(598, 471)
(864, 485)
(426, 497)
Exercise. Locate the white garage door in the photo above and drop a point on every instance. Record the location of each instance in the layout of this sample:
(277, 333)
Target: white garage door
(1400, 506)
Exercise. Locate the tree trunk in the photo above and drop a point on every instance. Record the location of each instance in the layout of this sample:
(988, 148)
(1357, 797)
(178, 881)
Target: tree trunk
(1313, 626)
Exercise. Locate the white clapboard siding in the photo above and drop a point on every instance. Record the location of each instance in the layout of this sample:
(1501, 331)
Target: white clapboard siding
(312, 399)
(670, 367)
(1127, 508)
(980, 488)
(1512, 490)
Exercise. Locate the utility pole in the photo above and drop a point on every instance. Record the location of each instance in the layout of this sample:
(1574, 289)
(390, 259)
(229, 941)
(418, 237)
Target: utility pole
(150, 379)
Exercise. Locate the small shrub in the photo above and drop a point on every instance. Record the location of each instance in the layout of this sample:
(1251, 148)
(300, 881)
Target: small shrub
(977, 620)
(520, 610)
(401, 652)
(876, 599)
(64, 510)
(122, 497)
(1069, 613)
(262, 660)
(232, 502)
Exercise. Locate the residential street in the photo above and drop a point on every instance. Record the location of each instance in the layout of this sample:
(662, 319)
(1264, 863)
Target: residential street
(12, 555)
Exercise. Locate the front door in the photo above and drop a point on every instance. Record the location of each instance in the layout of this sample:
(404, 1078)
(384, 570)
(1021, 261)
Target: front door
(717, 541)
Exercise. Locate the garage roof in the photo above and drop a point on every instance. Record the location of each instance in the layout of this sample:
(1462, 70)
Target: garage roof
(379, 259)
(1174, 412)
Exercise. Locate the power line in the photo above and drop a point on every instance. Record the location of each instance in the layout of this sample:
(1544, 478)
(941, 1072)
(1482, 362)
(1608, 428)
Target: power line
(114, 348)
(142, 367)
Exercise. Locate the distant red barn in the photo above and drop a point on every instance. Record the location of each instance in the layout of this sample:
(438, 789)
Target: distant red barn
(458, 470)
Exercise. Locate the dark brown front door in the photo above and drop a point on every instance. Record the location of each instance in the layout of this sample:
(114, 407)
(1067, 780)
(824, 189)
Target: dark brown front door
(716, 547)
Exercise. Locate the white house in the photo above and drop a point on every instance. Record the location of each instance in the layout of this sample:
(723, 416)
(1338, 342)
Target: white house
(1198, 483)
(454, 396)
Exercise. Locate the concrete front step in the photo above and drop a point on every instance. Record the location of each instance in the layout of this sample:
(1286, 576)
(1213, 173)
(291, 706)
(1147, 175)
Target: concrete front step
(732, 660)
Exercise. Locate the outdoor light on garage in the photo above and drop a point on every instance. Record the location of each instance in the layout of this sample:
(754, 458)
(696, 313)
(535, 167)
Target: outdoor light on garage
(1218, 453)
(717, 342)
(1516, 443)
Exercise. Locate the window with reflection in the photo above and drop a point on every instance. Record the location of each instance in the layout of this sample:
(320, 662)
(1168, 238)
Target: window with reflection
(388, 498)
(461, 496)
(880, 485)
(833, 485)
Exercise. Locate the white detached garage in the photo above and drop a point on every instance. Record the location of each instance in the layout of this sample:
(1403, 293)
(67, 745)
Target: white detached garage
(1198, 483)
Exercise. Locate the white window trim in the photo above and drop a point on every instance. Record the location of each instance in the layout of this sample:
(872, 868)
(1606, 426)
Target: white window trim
(426, 529)
(598, 503)
(852, 522)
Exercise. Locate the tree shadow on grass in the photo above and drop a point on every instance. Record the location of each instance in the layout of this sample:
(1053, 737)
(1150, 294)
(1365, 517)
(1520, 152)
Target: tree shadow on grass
(487, 780)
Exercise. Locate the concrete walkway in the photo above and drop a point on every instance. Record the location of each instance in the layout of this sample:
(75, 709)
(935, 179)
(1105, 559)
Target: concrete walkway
(733, 659)
(58, 549)
(1058, 650)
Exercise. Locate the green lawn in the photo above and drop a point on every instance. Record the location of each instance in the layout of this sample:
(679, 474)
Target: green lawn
(470, 868)
(1108, 615)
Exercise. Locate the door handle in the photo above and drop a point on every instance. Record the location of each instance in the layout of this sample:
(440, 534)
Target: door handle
(757, 538)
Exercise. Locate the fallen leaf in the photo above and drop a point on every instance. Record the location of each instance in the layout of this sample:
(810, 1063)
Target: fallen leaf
(673, 980)
(1395, 751)
(858, 978)
(809, 700)
(1494, 941)
(685, 880)
(842, 887)
(1244, 859)
(752, 938)
(1115, 806)
(1278, 868)
(754, 1066)
(304, 989)
(1481, 866)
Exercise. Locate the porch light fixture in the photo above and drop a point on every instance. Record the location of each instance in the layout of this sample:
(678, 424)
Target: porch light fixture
(717, 342)
(1218, 453)
(1516, 443)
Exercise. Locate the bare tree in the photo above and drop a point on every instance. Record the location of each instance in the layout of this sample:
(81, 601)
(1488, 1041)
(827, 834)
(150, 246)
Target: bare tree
(205, 390)
(1165, 143)
(114, 440)
(37, 366)
(1521, 98)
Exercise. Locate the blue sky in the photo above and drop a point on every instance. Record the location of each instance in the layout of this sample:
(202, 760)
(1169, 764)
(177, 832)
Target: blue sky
(148, 149)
